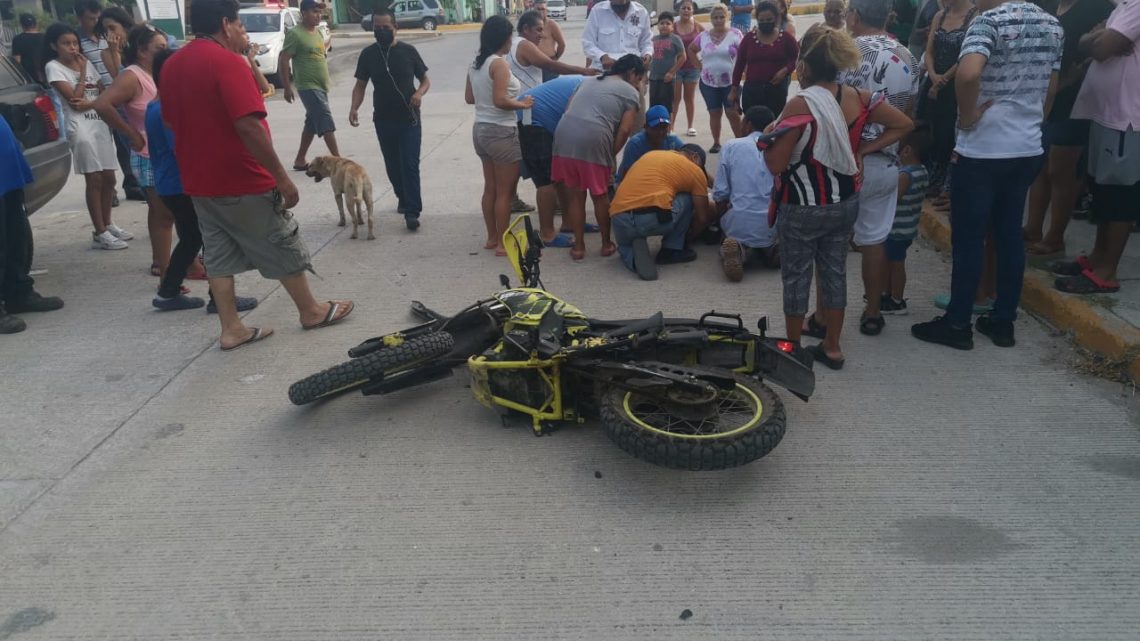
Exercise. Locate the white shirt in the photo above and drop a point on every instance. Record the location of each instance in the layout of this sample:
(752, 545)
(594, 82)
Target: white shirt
(483, 86)
(607, 34)
(530, 76)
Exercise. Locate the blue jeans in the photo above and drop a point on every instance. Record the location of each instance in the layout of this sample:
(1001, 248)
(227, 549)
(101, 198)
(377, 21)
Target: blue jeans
(628, 226)
(988, 194)
(400, 146)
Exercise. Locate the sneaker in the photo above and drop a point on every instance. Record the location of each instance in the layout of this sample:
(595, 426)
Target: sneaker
(34, 302)
(1000, 332)
(941, 332)
(691, 132)
(520, 207)
(412, 222)
(673, 256)
(732, 259)
(244, 304)
(892, 305)
(942, 301)
(715, 149)
(106, 241)
(1083, 208)
(177, 303)
(642, 264)
(119, 232)
(10, 324)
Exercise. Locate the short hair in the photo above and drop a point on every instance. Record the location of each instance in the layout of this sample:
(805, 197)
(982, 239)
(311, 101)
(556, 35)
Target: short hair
(719, 8)
(206, 16)
(920, 141)
(27, 20)
(696, 150)
(160, 59)
(759, 117)
(529, 18)
(88, 6)
(665, 15)
(873, 13)
(384, 11)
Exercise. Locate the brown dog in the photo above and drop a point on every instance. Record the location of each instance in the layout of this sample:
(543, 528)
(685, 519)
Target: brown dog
(348, 178)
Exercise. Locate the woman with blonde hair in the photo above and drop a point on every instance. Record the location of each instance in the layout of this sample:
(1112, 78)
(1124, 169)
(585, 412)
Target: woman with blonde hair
(717, 49)
(817, 194)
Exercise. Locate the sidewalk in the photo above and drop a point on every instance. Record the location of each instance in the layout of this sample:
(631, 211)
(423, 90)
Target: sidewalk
(1107, 325)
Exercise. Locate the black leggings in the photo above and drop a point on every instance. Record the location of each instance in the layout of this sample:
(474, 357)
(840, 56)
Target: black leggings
(189, 244)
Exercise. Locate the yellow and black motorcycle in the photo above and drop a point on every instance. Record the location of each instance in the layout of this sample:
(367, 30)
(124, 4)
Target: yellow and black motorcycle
(681, 393)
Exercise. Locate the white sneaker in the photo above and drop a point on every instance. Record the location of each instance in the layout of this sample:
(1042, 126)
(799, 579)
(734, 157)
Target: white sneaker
(106, 241)
(691, 132)
(119, 232)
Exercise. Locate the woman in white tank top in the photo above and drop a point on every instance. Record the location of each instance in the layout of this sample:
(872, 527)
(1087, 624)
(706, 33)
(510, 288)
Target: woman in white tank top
(493, 90)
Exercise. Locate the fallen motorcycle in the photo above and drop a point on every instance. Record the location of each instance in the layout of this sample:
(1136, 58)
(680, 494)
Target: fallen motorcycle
(680, 393)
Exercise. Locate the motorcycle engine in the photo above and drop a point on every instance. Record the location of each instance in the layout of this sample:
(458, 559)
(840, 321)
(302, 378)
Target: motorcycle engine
(523, 385)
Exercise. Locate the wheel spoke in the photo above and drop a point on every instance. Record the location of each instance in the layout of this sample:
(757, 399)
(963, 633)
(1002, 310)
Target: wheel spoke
(731, 411)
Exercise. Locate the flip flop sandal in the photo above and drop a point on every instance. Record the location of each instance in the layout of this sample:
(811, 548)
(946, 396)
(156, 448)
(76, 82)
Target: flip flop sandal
(332, 317)
(814, 328)
(1086, 283)
(871, 326)
(1070, 267)
(818, 354)
(560, 241)
(589, 228)
(258, 335)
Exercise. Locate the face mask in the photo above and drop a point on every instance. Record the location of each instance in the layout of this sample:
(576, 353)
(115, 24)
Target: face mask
(766, 27)
(384, 36)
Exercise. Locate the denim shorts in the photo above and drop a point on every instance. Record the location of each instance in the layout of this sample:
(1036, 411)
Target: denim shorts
(689, 76)
(896, 249)
(716, 98)
(318, 114)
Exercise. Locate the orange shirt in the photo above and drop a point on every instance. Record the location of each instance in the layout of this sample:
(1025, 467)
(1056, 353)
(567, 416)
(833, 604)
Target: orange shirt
(656, 178)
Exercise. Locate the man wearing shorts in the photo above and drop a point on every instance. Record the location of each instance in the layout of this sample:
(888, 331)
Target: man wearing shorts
(240, 190)
(888, 67)
(536, 139)
(1110, 98)
(665, 193)
(305, 48)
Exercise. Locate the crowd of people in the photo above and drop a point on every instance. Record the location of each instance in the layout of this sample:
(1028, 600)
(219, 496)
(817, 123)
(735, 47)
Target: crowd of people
(980, 105)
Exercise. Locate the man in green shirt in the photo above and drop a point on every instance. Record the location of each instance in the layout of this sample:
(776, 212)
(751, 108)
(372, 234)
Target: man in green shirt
(305, 48)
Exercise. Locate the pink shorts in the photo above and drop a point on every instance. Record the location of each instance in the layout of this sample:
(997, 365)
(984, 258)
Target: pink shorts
(579, 174)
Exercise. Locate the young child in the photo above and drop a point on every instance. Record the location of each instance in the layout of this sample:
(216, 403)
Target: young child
(668, 56)
(913, 182)
(71, 74)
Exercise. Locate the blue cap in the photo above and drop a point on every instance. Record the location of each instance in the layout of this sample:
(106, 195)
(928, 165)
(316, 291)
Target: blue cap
(657, 115)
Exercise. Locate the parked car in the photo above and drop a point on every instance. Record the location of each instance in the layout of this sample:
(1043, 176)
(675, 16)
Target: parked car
(266, 26)
(556, 9)
(29, 111)
(426, 14)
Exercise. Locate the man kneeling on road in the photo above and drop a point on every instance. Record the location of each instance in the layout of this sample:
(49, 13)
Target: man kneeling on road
(665, 193)
(742, 192)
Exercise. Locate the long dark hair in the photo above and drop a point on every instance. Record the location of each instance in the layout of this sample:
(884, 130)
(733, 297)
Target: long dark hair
(118, 15)
(138, 39)
(51, 36)
(160, 59)
(496, 31)
(628, 62)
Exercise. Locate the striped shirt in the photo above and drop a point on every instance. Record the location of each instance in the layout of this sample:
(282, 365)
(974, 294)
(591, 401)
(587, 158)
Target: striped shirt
(93, 49)
(910, 205)
(1022, 45)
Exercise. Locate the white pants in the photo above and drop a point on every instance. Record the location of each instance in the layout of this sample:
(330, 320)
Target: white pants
(877, 200)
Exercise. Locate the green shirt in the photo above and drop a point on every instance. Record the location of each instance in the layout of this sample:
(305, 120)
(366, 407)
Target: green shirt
(310, 71)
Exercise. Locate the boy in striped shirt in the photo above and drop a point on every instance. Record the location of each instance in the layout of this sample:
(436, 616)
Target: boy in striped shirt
(913, 182)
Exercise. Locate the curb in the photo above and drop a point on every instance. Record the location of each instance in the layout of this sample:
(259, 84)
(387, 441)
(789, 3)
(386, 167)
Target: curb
(1116, 342)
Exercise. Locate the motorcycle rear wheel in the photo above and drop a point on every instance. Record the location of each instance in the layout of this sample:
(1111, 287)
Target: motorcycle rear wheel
(744, 424)
(355, 373)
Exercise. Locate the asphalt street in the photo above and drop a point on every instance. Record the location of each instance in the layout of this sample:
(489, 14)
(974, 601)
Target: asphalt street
(153, 487)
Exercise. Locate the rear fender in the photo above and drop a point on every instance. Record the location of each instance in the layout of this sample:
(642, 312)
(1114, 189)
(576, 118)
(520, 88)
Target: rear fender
(788, 370)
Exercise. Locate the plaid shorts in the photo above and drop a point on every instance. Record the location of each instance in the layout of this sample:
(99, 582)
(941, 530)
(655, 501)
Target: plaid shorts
(815, 235)
(140, 167)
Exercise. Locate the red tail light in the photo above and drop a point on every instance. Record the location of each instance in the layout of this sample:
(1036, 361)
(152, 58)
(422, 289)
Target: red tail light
(786, 347)
(47, 110)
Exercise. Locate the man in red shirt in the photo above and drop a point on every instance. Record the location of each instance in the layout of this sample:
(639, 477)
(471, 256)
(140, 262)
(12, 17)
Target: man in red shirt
(241, 191)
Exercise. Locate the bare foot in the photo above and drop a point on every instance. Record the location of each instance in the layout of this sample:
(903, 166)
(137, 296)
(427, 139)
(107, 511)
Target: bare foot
(608, 249)
(490, 244)
(578, 253)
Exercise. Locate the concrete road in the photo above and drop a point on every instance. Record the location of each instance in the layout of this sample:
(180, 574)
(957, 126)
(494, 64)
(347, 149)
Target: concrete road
(152, 487)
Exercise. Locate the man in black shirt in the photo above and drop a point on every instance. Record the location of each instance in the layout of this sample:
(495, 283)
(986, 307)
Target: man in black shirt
(394, 68)
(26, 47)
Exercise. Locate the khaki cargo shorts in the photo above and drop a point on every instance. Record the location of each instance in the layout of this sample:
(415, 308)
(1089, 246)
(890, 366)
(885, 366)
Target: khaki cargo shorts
(240, 233)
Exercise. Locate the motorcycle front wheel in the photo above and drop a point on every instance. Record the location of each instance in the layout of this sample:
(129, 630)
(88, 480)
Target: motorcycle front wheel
(355, 373)
(741, 425)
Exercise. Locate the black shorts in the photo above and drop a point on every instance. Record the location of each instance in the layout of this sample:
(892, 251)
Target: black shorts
(661, 93)
(537, 152)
